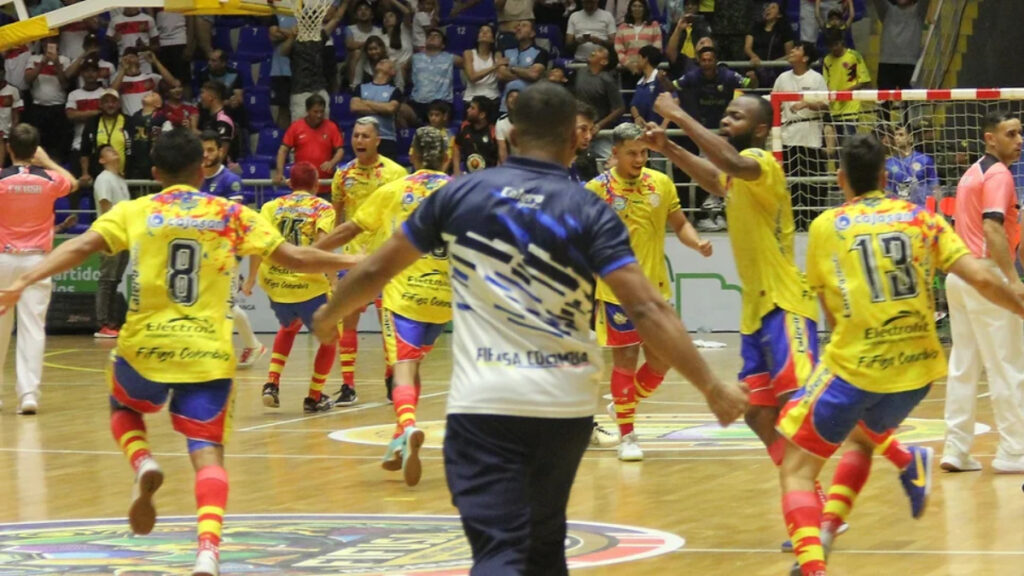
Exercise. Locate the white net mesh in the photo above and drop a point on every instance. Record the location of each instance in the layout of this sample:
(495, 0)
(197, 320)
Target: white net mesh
(309, 17)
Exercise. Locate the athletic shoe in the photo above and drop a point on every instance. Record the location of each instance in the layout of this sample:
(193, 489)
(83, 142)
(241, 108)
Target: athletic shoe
(720, 222)
(952, 462)
(142, 513)
(917, 478)
(250, 356)
(392, 461)
(105, 332)
(707, 225)
(271, 398)
(412, 469)
(28, 405)
(389, 384)
(1002, 466)
(629, 450)
(310, 406)
(346, 396)
(207, 563)
(601, 437)
(712, 203)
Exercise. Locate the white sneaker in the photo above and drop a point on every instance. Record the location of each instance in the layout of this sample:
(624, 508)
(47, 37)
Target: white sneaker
(706, 225)
(720, 222)
(1002, 466)
(207, 564)
(28, 404)
(601, 437)
(249, 356)
(956, 463)
(629, 450)
(142, 513)
(712, 203)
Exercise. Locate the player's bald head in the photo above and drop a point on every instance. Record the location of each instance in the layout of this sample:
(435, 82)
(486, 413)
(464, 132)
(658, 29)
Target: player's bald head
(759, 109)
(545, 118)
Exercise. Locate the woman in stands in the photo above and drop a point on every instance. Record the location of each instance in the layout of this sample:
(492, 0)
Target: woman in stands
(770, 38)
(397, 25)
(636, 31)
(482, 64)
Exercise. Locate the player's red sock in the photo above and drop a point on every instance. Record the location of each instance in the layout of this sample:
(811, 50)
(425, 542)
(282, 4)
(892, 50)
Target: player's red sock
(404, 398)
(847, 482)
(802, 511)
(624, 396)
(130, 432)
(347, 350)
(211, 499)
(647, 381)
(321, 369)
(283, 342)
(895, 452)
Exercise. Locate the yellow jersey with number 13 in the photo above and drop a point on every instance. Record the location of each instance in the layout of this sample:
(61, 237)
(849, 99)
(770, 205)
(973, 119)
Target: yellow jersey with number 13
(298, 217)
(873, 260)
(183, 246)
(761, 232)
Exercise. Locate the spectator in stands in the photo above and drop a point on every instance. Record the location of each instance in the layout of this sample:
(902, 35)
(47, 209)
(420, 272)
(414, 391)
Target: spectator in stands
(554, 12)
(475, 146)
(282, 36)
(638, 30)
(315, 139)
(132, 83)
(175, 49)
(397, 31)
(426, 17)
(432, 74)
(732, 22)
(482, 65)
(11, 107)
(132, 28)
(110, 128)
(844, 69)
(49, 86)
(803, 149)
(589, 29)
(510, 14)
(813, 13)
(73, 34)
(652, 82)
(217, 70)
(84, 103)
(438, 116)
(381, 100)
(902, 26)
(770, 38)
(689, 30)
(176, 113)
(706, 91)
(109, 190)
(144, 128)
(504, 127)
(526, 62)
(557, 75)
(307, 65)
(374, 50)
(15, 63)
(596, 86)
(213, 116)
(584, 168)
(90, 50)
(356, 34)
(910, 174)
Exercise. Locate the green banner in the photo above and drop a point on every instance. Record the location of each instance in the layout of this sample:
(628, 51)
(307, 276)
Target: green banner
(80, 280)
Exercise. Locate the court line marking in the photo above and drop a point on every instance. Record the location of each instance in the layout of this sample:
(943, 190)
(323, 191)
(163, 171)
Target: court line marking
(330, 413)
(775, 551)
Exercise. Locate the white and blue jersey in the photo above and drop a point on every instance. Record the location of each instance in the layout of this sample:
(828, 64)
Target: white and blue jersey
(911, 178)
(525, 245)
(224, 183)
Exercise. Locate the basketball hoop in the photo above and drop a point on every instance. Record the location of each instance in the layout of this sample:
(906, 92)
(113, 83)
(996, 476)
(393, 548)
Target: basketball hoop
(309, 19)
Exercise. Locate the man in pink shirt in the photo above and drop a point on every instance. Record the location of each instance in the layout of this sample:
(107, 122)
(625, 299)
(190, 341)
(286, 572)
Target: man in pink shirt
(984, 336)
(28, 190)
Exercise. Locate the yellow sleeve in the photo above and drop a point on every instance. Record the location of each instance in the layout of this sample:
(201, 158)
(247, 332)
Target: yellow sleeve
(370, 216)
(863, 74)
(113, 226)
(762, 187)
(267, 212)
(397, 171)
(257, 236)
(598, 187)
(667, 190)
(338, 187)
(325, 220)
(947, 245)
(817, 235)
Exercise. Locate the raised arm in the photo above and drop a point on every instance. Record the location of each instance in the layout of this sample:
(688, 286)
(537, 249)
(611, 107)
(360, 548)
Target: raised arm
(702, 171)
(341, 235)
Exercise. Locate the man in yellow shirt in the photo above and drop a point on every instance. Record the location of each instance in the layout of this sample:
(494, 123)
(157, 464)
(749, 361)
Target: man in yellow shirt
(844, 69)
(175, 344)
(871, 261)
(302, 218)
(353, 183)
(416, 302)
(646, 201)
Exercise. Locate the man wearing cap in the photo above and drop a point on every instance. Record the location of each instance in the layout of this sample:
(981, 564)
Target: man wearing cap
(432, 74)
(90, 51)
(110, 127)
(84, 103)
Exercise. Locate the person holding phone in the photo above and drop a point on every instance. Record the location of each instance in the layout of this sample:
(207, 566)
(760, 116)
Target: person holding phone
(589, 29)
(47, 79)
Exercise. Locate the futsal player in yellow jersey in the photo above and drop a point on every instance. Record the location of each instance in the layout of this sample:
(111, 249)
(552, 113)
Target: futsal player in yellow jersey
(647, 202)
(353, 183)
(176, 342)
(417, 302)
(871, 261)
(302, 218)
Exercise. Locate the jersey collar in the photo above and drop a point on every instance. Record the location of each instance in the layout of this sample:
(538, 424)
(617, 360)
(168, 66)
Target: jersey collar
(538, 166)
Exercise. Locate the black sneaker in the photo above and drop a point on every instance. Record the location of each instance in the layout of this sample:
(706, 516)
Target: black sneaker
(389, 383)
(346, 396)
(322, 405)
(270, 395)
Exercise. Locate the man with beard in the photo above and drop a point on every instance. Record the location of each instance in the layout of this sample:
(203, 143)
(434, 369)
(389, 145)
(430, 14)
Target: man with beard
(84, 103)
(476, 147)
(584, 167)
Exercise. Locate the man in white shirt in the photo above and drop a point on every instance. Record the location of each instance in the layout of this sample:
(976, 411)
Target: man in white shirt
(11, 106)
(589, 29)
(803, 152)
(133, 84)
(48, 81)
(133, 28)
(84, 103)
(109, 189)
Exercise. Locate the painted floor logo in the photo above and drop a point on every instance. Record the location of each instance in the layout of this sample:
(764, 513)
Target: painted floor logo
(661, 432)
(294, 545)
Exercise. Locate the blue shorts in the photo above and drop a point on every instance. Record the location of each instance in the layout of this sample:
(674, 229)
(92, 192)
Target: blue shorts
(613, 327)
(824, 412)
(201, 411)
(405, 339)
(779, 357)
(288, 314)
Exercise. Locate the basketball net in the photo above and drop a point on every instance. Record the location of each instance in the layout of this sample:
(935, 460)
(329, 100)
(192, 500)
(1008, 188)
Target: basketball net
(309, 18)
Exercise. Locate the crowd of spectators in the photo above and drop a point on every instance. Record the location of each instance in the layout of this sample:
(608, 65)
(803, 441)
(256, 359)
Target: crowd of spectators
(122, 78)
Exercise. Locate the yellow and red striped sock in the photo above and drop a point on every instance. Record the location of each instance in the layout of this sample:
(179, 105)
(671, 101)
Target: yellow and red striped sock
(283, 342)
(321, 369)
(895, 452)
(405, 399)
(847, 482)
(129, 430)
(802, 511)
(647, 381)
(211, 500)
(348, 348)
(624, 397)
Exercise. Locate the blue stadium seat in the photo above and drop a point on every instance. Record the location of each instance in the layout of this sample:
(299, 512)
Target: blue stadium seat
(341, 112)
(257, 107)
(268, 141)
(461, 37)
(339, 43)
(264, 73)
(60, 209)
(232, 21)
(482, 13)
(458, 83)
(244, 68)
(255, 170)
(254, 43)
(553, 34)
(405, 139)
(222, 38)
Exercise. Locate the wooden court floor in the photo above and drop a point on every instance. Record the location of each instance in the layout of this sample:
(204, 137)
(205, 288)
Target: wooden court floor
(723, 499)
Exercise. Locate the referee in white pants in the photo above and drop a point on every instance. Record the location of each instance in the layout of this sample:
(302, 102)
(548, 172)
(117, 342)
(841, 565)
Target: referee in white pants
(28, 190)
(984, 336)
